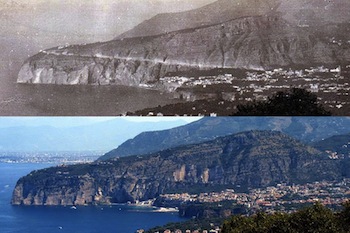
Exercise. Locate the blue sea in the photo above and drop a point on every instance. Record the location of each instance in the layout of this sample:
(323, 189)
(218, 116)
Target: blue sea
(85, 219)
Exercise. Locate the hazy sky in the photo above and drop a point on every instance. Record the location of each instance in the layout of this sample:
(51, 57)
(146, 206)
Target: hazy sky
(104, 18)
(78, 121)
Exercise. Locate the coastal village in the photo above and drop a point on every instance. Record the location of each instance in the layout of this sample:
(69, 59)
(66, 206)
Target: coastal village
(281, 197)
(64, 157)
(330, 84)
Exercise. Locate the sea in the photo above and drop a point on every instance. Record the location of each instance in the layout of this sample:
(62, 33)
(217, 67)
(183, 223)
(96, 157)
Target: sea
(63, 100)
(82, 219)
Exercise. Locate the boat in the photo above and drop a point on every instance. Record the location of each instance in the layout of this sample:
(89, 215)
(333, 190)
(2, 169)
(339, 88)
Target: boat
(163, 209)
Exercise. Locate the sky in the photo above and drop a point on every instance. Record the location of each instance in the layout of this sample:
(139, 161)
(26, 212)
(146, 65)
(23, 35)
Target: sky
(105, 19)
(78, 133)
(28, 26)
(6, 122)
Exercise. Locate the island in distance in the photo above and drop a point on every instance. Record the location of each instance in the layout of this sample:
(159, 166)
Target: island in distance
(220, 154)
(227, 52)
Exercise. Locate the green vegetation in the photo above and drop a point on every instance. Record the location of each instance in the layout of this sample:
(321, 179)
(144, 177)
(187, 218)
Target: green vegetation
(316, 218)
(200, 224)
(294, 102)
(210, 210)
(310, 219)
(337, 143)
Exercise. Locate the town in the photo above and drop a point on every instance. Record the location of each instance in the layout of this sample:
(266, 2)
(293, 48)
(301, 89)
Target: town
(280, 197)
(330, 84)
(55, 158)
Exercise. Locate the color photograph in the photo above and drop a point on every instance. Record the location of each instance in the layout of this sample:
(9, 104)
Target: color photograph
(210, 174)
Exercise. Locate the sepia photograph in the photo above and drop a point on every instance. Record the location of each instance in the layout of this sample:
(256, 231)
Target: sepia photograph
(174, 57)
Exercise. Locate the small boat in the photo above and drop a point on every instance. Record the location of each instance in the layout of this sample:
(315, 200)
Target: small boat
(73, 207)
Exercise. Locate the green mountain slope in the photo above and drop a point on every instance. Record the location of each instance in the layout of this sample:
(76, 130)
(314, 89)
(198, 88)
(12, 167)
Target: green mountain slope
(248, 160)
(307, 129)
(338, 143)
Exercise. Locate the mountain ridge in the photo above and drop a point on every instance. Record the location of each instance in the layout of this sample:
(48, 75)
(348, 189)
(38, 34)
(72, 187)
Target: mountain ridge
(101, 136)
(337, 144)
(303, 128)
(295, 11)
(250, 159)
(260, 41)
(211, 14)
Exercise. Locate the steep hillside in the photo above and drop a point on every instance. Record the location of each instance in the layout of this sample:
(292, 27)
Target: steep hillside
(297, 12)
(306, 129)
(241, 34)
(315, 12)
(338, 143)
(215, 13)
(250, 160)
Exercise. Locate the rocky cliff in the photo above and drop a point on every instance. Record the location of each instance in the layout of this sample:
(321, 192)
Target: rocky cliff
(250, 159)
(305, 129)
(254, 39)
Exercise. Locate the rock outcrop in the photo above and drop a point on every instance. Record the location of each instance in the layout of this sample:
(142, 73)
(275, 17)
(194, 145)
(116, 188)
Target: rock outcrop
(254, 38)
(251, 160)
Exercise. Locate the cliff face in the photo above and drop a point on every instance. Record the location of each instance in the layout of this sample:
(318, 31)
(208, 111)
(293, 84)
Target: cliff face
(250, 42)
(51, 67)
(305, 129)
(250, 159)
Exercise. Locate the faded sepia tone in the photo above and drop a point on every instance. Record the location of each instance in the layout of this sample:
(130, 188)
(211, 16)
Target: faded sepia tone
(30, 26)
(192, 57)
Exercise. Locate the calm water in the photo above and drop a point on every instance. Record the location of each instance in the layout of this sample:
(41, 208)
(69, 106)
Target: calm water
(119, 219)
(53, 100)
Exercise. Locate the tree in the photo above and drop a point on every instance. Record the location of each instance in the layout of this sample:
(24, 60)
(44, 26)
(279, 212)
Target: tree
(312, 219)
(316, 218)
(344, 217)
(294, 102)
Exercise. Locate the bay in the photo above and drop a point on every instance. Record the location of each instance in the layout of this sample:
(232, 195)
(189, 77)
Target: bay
(83, 219)
(64, 100)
